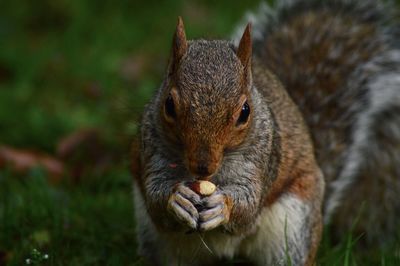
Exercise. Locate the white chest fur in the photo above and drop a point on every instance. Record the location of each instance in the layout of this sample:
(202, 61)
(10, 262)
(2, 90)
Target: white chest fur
(278, 235)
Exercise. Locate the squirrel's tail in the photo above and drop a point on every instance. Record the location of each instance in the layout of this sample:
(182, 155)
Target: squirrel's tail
(340, 62)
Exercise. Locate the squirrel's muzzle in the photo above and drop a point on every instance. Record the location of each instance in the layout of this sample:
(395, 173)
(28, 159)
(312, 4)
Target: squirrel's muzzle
(203, 166)
(202, 170)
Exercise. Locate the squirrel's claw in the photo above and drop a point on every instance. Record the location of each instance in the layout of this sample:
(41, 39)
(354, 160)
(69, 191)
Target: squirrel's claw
(212, 223)
(181, 206)
(211, 213)
(216, 212)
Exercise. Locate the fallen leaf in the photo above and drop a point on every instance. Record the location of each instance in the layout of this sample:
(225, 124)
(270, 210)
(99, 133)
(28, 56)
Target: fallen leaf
(22, 161)
(71, 143)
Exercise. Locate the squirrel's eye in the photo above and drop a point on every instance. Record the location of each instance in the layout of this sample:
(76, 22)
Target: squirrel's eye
(170, 106)
(244, 114)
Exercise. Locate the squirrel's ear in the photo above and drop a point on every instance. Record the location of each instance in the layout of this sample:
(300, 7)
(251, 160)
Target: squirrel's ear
(179, 44)
(244, 51)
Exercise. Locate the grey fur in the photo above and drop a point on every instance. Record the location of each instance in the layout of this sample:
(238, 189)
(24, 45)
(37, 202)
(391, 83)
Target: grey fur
(207, 76)
(367, 170)
(208, 82)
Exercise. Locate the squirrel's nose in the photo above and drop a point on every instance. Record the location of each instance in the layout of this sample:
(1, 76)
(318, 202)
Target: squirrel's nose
(202, 164)
(202, 170)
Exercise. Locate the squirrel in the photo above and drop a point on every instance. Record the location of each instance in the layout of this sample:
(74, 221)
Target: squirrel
(296, 121)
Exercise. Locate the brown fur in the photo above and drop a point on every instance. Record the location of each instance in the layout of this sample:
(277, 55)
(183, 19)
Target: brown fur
(270, 164)
(308, 41)
(209, 83)
(327, 54)
(297, 158)
(179, 45)
(245, 52)
(200, 146)
(298, 172)
(316, 228)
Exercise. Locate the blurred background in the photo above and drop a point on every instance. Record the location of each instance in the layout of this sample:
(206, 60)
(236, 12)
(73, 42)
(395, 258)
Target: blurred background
(74, 77)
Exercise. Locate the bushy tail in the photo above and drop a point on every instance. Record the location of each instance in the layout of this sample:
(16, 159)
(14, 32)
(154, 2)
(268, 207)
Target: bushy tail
(340, 62)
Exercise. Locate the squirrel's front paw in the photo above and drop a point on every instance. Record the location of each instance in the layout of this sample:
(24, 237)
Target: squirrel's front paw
(217, 209)
(181, 205)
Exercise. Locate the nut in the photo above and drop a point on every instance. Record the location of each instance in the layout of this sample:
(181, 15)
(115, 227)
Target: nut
(203, 188)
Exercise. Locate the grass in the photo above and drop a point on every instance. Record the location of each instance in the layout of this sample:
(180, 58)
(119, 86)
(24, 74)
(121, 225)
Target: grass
(67, 65)
(87, 225)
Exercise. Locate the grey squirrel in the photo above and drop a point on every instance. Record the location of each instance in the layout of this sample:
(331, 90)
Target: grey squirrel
(310, 99)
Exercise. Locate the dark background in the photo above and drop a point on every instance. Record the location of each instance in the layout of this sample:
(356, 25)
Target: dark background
(74, 77)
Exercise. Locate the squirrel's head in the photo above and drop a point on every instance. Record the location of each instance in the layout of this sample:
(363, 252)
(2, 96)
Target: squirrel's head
(205, 104)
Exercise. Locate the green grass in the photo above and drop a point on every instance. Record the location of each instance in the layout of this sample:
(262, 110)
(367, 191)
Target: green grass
(63, 66)
(87, 225)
